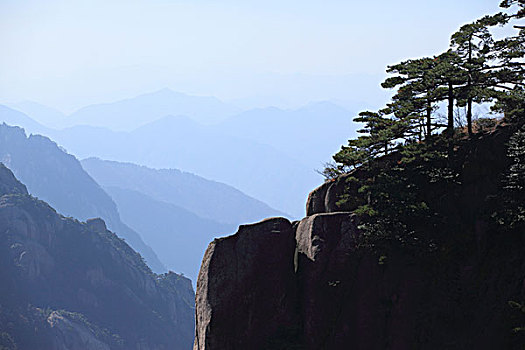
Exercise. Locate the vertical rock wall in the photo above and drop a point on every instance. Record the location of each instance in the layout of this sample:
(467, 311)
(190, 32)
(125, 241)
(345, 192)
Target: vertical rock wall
(310, 285)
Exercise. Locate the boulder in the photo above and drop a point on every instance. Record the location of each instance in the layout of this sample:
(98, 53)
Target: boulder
(328, 197)
(246, 289)
(96, 225)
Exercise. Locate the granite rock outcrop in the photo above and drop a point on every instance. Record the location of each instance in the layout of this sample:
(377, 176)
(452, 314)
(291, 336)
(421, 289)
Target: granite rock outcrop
(311, 284)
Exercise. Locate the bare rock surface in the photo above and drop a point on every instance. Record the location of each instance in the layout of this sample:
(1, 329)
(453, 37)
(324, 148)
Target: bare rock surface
(253, 270)
(70, 334)
(325, 287)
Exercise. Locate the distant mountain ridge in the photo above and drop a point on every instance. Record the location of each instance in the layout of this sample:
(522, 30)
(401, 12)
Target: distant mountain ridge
(205, 198)
(258, 170)
(129, 114)
(181, 212)
(14, 117)
(44, 115)
(58, 178)
(310, 134)
(257, 151)
(265, 173)
(178, 236)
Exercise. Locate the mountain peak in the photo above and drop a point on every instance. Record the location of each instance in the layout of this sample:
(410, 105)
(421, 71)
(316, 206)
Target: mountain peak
(165, 92)
(324, 107)
(131, 113)
(9, 184)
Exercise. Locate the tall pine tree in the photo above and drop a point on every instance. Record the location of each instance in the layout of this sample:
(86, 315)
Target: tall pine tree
(472, 44)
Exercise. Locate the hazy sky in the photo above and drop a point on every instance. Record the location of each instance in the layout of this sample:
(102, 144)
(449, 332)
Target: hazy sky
(67, 53)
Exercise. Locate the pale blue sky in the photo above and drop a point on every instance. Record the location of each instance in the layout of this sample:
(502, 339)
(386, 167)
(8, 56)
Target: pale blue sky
(67, 53)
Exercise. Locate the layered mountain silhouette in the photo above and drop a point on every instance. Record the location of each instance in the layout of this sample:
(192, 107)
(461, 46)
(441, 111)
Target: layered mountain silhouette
(310, 134)
(178, 212)
(190, 210)
(129, 114)
(205, 198)
(16, 118)
(256, 169)
(57, 177)
(273, 145)
(42, 114)
(178, 236)
(75, 285)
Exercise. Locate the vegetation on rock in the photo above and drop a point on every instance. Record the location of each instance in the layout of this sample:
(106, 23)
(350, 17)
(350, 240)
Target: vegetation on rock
(424, 157)
(416, 239)
(478, 68)
(415, 178)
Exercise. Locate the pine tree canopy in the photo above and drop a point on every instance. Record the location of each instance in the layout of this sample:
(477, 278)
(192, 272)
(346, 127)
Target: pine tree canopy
(478, 68)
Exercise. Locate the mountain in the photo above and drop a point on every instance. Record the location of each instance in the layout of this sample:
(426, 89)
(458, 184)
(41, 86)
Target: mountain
(75, 285)
(205, 198)
(178, 236)
(256, 169)
(126, 115)
(444, 269)
(273, 145)
(45, 115)
(310, 134)
(180, 212)
(57, 177)
(16, 118)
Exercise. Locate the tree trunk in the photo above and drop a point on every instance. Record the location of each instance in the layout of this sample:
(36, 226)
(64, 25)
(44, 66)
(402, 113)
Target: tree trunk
(469, 88)
(429, 118)
(450, 124)
(469, 116)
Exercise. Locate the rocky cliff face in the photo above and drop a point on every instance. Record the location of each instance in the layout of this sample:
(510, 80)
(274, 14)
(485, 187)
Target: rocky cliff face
(234, 285)
(310, 285)
(73, 285)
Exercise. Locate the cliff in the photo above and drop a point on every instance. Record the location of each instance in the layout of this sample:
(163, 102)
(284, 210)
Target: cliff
(314, 284)
(75, 285)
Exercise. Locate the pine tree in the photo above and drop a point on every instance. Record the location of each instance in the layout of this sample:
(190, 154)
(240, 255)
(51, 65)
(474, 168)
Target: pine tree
(520, 13)
(379, 135)
(422, 84)
(472, 44)
(451, 76)
(476, 69)
(509, 69)
(418, 85)
(494, 68)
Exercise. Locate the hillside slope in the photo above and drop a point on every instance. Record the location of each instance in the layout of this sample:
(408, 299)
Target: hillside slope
(205, 198)
(178, 236)
(57, 177)
(177, 142)
(73, 285)
(179, 211)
